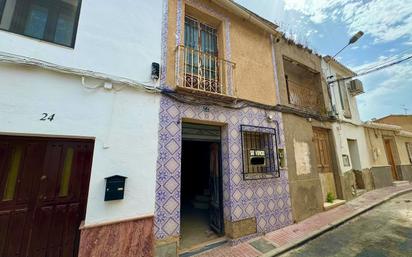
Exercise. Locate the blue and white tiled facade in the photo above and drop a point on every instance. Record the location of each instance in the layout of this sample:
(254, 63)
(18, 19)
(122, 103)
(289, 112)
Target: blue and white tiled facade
(267, 200)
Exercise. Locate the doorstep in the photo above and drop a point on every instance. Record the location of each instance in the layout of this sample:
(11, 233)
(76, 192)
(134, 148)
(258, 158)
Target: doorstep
(334, 204)
(203, 247)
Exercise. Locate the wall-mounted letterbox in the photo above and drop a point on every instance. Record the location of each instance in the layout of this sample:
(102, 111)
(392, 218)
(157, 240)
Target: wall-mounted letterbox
(114, 188)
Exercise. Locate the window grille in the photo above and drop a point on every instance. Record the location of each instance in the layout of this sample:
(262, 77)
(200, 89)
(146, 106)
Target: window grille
(201, 56)
(259, 152)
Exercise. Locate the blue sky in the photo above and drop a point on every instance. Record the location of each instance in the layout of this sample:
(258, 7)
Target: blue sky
(327, 25)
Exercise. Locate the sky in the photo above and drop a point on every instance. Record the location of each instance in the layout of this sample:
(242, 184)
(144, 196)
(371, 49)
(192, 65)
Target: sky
(327, 25)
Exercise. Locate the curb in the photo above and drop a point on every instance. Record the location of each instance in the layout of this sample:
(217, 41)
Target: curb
(333, 225)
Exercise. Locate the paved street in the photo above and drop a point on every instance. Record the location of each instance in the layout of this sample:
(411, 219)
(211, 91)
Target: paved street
(383, 231)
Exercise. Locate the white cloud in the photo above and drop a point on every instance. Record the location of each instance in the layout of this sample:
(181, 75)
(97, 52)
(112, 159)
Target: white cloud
(317, 10)
(384, 20)
(385, 86)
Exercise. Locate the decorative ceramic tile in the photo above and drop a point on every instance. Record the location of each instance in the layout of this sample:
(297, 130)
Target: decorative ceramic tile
(267, 200)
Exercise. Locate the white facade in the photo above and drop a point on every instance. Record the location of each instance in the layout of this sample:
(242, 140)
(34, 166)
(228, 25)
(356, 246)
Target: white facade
(118, 39)
(348, 132)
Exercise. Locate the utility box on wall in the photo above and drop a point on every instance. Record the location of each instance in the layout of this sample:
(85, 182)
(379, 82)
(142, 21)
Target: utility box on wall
(115, 188)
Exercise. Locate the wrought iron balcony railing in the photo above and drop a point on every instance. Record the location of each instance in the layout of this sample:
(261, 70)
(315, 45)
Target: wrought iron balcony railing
(204, 72)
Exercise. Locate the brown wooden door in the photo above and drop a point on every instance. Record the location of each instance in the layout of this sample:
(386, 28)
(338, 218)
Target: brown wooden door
(43, 192)
(324, 161)
(389, 156)
(323, 152)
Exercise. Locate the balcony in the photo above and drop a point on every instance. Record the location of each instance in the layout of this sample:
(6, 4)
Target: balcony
(204, 73)
(304, 96)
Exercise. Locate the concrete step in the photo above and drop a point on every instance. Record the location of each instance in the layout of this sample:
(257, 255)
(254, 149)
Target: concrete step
(200, 205)
(360, 192)
(336, 203)
(399, 183)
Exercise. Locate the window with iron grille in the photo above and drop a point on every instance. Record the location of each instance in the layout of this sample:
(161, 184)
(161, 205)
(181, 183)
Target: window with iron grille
(49, 20)
(259, 152)
(201, 56)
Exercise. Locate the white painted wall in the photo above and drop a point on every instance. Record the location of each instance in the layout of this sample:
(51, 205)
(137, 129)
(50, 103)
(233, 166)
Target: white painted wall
(126, 122)
(353, 105)
(120, 38)
(346, 128)
(344, 131)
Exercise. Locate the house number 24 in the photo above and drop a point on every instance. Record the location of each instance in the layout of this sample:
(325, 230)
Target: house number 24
(47, 116)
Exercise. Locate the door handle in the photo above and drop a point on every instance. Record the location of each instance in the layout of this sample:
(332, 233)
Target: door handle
(43, 178)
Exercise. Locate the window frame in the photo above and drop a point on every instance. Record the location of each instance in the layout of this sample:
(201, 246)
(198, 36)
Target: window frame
(18, 25)
(271, 159)
(409, 150)
(344, 99)
(2, 4)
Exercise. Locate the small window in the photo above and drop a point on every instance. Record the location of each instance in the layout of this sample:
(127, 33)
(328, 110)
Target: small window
(409, 149)
(49, 20)
(259, 146)
(344, 99)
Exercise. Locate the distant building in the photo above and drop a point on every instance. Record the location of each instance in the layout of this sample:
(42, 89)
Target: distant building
(404, 121)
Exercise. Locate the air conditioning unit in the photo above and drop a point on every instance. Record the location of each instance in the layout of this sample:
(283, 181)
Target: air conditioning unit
(356, 87)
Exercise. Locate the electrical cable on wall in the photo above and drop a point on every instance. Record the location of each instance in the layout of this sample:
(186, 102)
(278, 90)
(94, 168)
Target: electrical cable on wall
(17, 59)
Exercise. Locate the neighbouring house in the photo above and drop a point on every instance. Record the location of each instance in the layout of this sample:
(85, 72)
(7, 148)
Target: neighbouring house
(390, 149)
(349, 135)
(79, 112)
(220, 171)
(404, 121)
(313, 170)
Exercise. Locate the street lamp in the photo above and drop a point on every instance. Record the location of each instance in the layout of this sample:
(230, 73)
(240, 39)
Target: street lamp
(353, 39)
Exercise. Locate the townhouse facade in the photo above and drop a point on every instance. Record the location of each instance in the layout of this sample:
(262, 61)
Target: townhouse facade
(220, 171)
(79, 113)
(309, 143)
(390, 148)
(348, 131)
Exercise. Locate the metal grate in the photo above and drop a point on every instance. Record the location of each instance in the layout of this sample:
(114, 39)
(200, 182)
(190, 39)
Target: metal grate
(259, 147)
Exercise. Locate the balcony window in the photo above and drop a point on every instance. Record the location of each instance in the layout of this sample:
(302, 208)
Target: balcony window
(49, 20)
(201, 57)
(303, 85)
